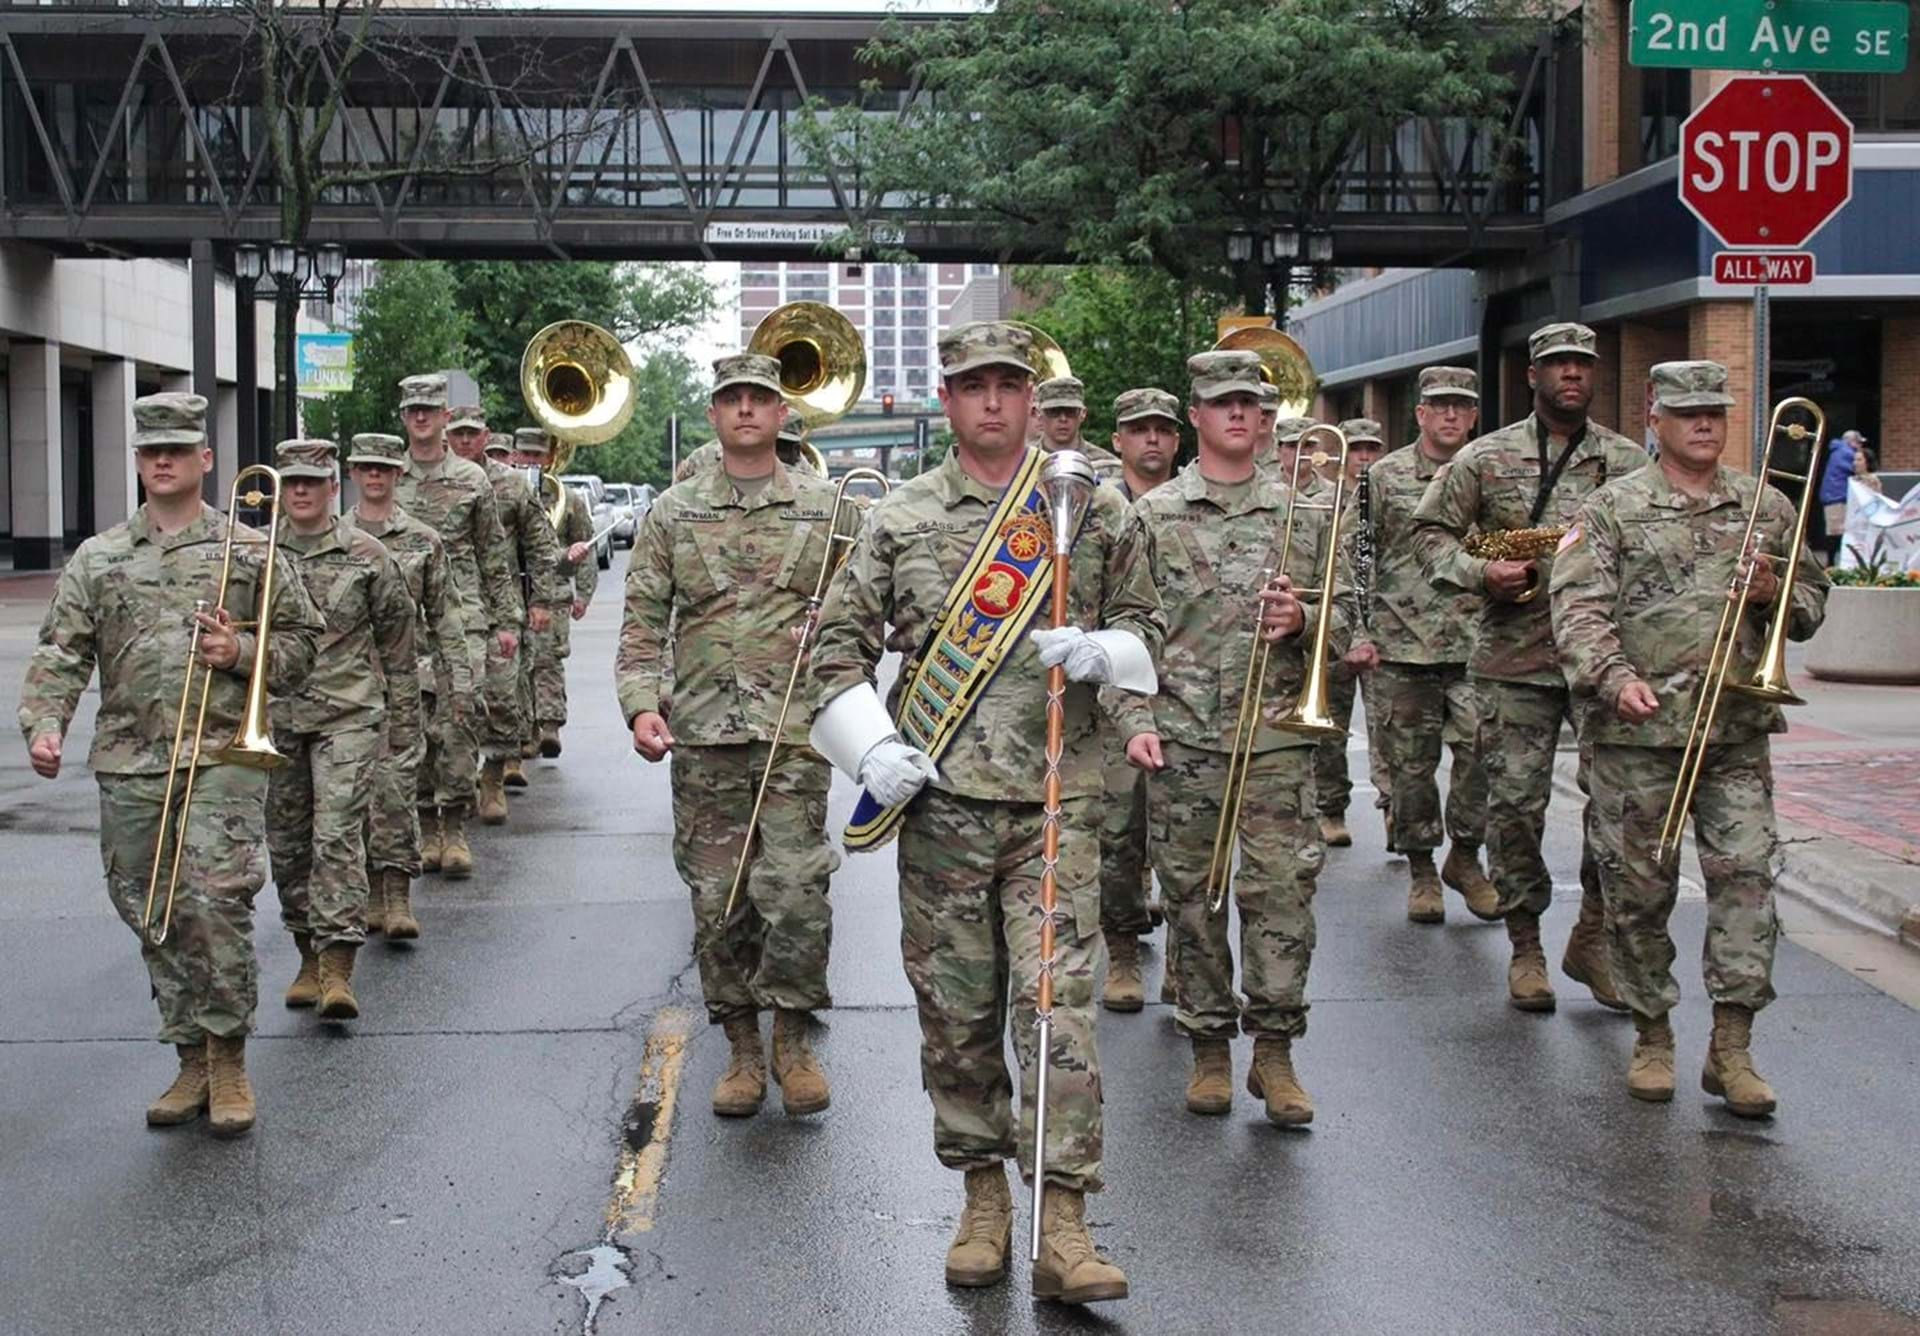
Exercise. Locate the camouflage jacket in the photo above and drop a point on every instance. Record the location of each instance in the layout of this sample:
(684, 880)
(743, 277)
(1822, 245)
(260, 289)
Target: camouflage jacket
(1405, 618)
(1107, 466)
(456, 498)
(125, 601)
(1209, 552)
(1491, 485)
(916, 540)
(533, 552)
(577, 527)
(1639, 587)
(364, 666)
(439, 639)
(715, 585)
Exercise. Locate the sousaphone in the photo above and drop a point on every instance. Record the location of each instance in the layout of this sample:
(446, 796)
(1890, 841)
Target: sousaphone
(577, 382)
(1284, 364)
(823, 365)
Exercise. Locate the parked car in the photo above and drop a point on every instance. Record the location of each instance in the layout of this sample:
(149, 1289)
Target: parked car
(626, 513)
(591, 487)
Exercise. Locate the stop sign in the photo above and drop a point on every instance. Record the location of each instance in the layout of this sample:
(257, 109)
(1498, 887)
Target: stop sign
(1766, 161)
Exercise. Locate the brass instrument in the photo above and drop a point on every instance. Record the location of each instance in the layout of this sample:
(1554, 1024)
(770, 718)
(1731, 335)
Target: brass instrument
(1311, 712)
(252, 743)
(1284, 364)
(823, 366)
(1516, 545)
(1049, 358)
(838, 546)
(1768, 680)
(577, 382)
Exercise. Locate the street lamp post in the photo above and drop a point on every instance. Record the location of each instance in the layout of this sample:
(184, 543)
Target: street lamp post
(297, 275)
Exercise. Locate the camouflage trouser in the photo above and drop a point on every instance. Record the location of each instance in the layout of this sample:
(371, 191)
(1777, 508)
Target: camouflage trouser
(1432, 704)
(550, 651)
(204, 976)
(1519, 733)
(505, 725)
(449, 769)
(317, 832)
(1332, 787)
(1733, 823)
(1124, 874)
(773, 952)
(393, 825)
(1280, 858)
(1378, 697)
(970, 937)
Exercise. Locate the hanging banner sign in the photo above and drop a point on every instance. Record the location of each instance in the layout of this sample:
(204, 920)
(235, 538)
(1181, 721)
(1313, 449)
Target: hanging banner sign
(323, 363)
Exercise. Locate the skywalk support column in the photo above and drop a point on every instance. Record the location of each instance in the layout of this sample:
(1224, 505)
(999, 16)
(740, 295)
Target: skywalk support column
(115, 493)
(38, 484)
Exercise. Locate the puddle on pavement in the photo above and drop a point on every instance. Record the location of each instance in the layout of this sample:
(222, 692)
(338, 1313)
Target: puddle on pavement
(1840, 1317)
(609, 1268)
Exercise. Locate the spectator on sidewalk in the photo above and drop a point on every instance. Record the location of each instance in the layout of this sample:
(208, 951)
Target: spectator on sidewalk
(1833, 488)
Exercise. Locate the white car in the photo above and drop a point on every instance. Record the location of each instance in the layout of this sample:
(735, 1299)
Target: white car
(599, 510)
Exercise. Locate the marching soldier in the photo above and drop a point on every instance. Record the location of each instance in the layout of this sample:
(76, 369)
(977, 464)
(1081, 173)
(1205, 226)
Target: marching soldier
(579, 576)
(455, 497)
(444, 674)
(1530, 475)
(364, 677)
(1286, 436)
(1268, 454)
(1061, 404)
(721, 572)
(1421, 641)
(793, 434)
(1646, 565)
(1213, 535)
(956, 559)
(1332, 783)
(128, 601)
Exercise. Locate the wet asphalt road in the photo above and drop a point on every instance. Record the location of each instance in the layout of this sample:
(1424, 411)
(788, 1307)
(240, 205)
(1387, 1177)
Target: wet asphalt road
(446, 1163)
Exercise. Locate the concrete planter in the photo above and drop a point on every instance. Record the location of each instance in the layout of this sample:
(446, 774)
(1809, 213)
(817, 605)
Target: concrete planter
(1870, 635)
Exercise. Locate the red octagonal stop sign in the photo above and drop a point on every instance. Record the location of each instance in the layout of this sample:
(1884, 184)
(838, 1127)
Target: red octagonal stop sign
(1766, 161)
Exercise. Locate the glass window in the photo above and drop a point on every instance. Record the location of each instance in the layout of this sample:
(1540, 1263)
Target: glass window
(884, 317)
(807, 291)
(914, 317)
(883, 277)
(917, 381)
(913, 296)
(911, 274)
(914, 356)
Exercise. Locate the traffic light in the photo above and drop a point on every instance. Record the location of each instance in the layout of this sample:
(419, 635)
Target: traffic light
(886, 405)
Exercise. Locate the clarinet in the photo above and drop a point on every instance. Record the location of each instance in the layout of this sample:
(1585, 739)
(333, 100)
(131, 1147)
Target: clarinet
(1363, 547)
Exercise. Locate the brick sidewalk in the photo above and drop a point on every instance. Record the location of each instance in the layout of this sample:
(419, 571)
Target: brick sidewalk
(1870, 798)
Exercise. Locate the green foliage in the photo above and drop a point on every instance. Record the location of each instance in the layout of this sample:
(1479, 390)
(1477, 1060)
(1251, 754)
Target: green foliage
(665, 383)
(408, 322)
(1876, 574)
(937, 449)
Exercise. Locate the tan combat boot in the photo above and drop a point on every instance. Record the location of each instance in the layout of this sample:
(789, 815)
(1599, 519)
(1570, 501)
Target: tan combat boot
(376, 900)
(513, 775)
(1271, 1078)
(456, 859)
(337, 1002)
(1729, 1071)
(186, 1098)
(304, 991)
(550, 741)
(491, 800)
(1069, 1268)
(738, 1092)
(1425, 904)
(529, 747)
(1125, 991)
(1527, 986)
(430, 839)
(1333, 829)
(230, 1094)
(978, 1254)
(1586, 960)
(1210, 1088)
(803, 1086)
(402, 926)
(1650, 1072)
(1462, 871)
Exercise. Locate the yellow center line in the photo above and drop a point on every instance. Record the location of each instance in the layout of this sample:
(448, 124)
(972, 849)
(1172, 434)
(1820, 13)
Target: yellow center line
(636, 1184)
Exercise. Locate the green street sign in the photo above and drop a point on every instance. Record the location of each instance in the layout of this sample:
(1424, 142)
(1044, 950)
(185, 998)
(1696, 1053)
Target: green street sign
(1851, 36)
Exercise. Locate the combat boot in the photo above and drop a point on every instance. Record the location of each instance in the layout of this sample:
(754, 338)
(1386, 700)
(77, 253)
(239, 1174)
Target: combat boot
(1425, 904)
(1729, 1071)
(230, 1108)
(430, 839)
(1650, 1072)
(491, 800)
(1586, 960)
(550, 741)
(513, 775)
(337, 1002)
(529, 748)
(1125, 991)
(1271, 1078)
(978, 1254)
(304, 991)
(1462, 871)
(456, 859)
(186, 1098)
(803, 1086)
(1210, 1088)
(402, 926)
(743, 1085)
(376, 900)
(1069, 1268)
(1527, 986)
(1333, 829)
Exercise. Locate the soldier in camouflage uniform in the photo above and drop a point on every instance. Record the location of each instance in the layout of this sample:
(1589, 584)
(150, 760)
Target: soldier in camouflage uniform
(721, 573)
(1533, 474)
(1421, 641)
(971, 842)
(363, 691)
(1267, 455)
(455, 497)
(579, 576)
(128, 601)
(442, 671)
(1214, 535)
(1641, 575)
(793, 434)
(1062, 406)
(1333, 787)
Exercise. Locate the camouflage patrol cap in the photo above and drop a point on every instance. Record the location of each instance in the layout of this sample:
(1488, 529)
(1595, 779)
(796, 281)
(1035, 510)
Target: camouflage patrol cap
(746, 369)
(1360, 431)
(1132, 405)
(792, 429)
(1683, 386)
(169, 419)
(1233, 371)
(467, 417)
(1563, 336)
(499, 443)
(1269, 397)
(428, 391)
(1449, 382)
(1289, 430)
(985, 343)
(1060, 392)
(376, 447)
(305, 459)
(533, 441)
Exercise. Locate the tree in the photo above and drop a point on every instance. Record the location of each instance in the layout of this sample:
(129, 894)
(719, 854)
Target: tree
(665, 383)
(408, 323)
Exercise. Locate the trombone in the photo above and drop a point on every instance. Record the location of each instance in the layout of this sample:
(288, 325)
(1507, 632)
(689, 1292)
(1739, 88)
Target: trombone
(251, 745)
(1311, 713)
(1768, 680)
(839, 545)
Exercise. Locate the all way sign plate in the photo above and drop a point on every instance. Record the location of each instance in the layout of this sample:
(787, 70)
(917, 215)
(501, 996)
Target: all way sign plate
(1852, 36)
(1780, 269)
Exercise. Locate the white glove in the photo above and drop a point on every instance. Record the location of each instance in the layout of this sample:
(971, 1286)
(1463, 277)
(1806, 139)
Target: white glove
(893, 772)
(1107, 658)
